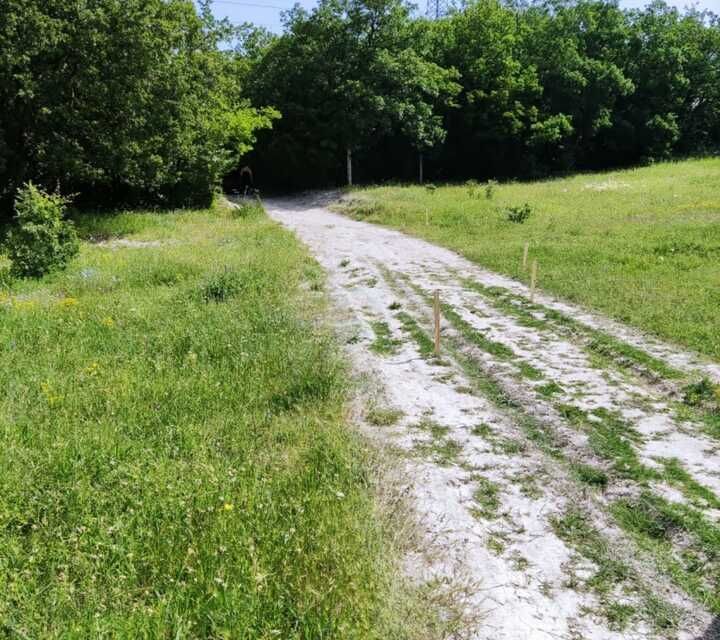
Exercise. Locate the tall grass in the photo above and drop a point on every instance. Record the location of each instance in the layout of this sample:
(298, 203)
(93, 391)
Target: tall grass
(175, 464)
(642, 245)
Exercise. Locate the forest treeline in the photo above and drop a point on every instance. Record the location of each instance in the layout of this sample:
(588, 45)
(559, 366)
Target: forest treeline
(152, 102)
(494, 89)
(120, 101)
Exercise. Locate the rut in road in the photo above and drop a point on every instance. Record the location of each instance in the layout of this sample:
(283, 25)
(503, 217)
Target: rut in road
(556, 472)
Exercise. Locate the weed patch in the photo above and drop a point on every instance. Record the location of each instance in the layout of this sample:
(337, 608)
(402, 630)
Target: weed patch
(383, 416)
(221, 285)
(384, 343)
(485, 496)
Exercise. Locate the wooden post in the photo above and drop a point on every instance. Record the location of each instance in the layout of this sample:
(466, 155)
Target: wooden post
(533, 280)
(349, 167)
(525, 255)
(421, 168)
(437, 322)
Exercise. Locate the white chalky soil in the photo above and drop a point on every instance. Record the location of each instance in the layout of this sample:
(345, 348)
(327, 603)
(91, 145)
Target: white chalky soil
(524, 581)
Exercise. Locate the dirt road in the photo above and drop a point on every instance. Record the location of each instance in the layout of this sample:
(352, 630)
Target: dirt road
(559, 477)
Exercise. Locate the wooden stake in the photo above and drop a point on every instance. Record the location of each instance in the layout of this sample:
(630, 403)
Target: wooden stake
(437, 322)
(533, 280)
(525, 255)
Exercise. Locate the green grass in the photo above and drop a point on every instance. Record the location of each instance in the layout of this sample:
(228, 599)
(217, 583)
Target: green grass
(614, 440)
(174, 461)
(445, 451)
(575, 528)
(612, 351)
(384, 343)
(659, 527)
(478, 339)
(589, 475)
(383, 416)
(550, 389)
(641, 245)
(425, 345)
(485, 497)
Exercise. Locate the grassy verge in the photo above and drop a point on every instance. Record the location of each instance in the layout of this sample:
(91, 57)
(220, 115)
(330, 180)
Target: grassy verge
(641, 245)
(173, 456)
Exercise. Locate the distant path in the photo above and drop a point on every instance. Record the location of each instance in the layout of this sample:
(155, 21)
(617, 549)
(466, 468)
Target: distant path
(490, 493)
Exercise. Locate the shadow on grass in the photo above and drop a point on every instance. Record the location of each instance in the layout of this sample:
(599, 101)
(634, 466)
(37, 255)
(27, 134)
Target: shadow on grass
(712, 632)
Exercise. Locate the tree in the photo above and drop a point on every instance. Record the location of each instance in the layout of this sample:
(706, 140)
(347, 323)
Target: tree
(119, 99)
(344, 76)
(579, 50)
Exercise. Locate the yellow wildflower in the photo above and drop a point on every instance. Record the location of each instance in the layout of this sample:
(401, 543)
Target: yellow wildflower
(68, 302)
(24, 304)
(108, 322)
(92, 369)
(228, 506)
(50, 396)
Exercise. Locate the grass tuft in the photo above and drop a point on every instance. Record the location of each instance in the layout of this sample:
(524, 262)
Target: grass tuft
(384, 343)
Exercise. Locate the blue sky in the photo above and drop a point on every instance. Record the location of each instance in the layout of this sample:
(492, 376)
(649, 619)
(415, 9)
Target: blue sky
(267, 12)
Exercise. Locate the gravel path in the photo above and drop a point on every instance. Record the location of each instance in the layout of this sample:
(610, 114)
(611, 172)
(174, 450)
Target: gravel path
(497, 437)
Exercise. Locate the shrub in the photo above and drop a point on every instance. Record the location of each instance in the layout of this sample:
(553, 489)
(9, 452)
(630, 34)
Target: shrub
(518, 215)
(41, 241)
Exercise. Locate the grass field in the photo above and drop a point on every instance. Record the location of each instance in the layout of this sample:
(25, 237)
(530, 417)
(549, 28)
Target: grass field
(641, 245)
(174, 460)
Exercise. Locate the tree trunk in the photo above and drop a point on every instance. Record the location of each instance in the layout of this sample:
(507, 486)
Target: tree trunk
(349, 167)
(420, 158)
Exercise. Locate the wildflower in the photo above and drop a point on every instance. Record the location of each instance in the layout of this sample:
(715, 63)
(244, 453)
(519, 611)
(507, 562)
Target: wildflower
(108, 322)
(66, 303)
(228, 506)
(24, 304)
(50, 396)
(93, 369)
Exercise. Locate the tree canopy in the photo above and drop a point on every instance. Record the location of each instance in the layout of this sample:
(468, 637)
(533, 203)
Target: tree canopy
(120, 100)
(144, 101)
(345, 75)
(494, 89)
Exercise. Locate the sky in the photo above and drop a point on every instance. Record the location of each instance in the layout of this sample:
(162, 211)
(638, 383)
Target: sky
(266, 13)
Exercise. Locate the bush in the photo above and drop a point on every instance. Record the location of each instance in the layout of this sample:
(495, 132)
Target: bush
(41, 241)
(518, 215)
